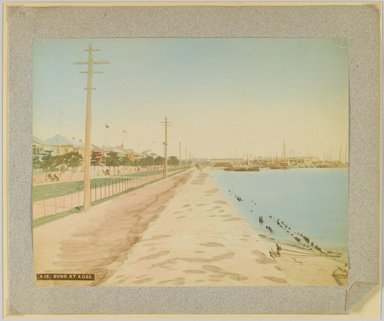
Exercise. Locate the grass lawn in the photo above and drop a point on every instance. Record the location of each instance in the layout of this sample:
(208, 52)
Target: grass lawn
(46, 191)
(50, 218)
(42, 192)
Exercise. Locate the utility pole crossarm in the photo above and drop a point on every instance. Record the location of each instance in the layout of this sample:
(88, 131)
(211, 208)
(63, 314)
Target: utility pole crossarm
(95, 72)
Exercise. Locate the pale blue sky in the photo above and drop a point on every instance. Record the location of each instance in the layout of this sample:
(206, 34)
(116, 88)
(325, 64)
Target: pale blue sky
(221, 94)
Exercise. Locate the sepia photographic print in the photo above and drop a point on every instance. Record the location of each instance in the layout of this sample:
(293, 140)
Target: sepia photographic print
(192, 159)
(190, 162)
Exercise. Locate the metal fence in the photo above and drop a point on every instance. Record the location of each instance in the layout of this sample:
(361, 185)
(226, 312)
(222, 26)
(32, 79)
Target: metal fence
(100, 189)
(76, 174)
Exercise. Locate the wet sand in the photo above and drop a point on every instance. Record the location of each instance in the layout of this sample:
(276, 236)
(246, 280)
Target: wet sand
(178, 231)
(309, 267)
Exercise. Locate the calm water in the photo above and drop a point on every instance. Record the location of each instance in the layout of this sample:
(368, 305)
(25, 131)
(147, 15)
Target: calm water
(311, 201)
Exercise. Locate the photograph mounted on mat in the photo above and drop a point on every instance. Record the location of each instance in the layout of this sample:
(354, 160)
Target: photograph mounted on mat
(191, 158)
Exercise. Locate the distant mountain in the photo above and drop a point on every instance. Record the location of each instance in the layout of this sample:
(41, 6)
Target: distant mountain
(58, 140)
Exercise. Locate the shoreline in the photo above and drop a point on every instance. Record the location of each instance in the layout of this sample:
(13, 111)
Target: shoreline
(199, 240)
(334, 258)
(303, 265)
(178, 231)
(280, 231)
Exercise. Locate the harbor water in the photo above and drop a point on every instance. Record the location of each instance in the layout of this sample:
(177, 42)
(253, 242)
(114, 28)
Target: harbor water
(311, 201)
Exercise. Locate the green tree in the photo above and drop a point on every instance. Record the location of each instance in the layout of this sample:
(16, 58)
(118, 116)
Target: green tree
(159, 160)
(112, 159)
(173, 160)
(36, 161)
(48, 161)
(126, 160)
(147, 161)
(72, 159)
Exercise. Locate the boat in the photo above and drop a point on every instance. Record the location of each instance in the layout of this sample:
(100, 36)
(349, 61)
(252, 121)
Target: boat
(242, 169)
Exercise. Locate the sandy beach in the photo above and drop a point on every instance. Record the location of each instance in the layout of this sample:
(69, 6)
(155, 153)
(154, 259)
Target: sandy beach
(177, 231)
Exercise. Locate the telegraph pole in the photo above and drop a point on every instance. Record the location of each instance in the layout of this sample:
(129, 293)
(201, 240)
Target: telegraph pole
(165, 123)
(180, 153)
(88, 123)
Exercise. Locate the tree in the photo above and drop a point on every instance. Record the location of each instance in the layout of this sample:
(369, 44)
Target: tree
(159, 160)
(112, 159)
(59, 161)
(97, 158)
(173, 160)
(36, 161)
(48, 161)
(126, 160)
(72, 159)
(147, 161)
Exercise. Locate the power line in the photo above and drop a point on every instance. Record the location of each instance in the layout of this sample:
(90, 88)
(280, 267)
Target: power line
(88, 122)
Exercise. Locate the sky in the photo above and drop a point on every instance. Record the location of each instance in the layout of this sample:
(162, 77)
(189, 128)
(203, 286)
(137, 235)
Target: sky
(224, 97)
